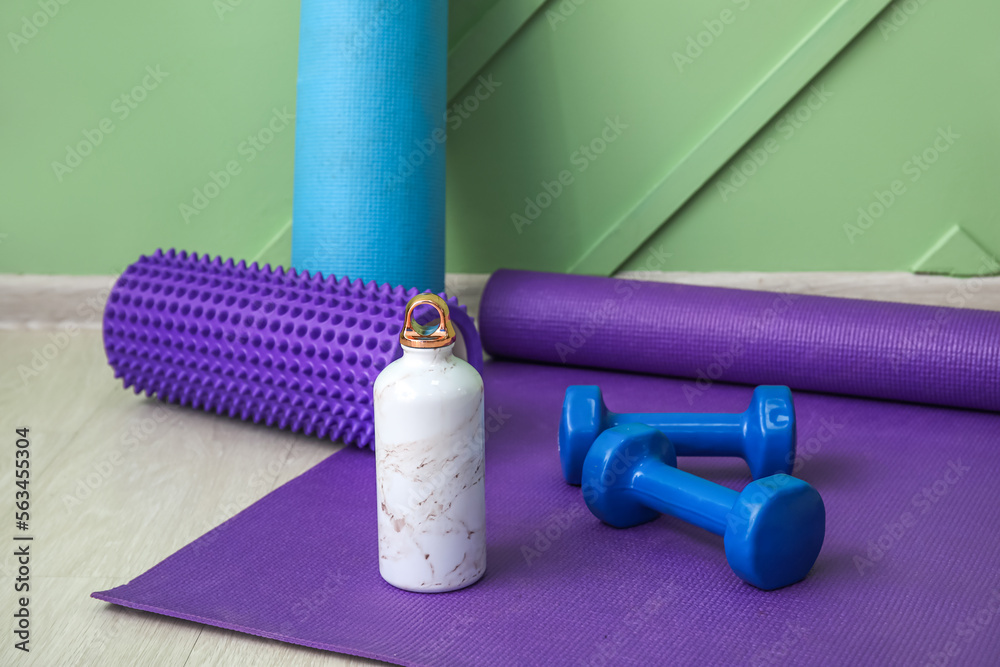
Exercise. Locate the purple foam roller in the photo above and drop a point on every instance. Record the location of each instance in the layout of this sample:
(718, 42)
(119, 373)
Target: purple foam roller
(270, 346)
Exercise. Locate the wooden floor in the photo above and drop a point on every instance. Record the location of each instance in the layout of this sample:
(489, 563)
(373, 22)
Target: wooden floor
(119, 483)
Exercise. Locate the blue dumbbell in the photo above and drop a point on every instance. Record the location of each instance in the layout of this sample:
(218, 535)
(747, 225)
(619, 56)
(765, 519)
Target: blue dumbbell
(773, 530)
(763, 436)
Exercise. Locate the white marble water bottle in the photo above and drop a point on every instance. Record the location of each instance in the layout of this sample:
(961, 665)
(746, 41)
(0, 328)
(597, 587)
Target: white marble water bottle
(429, 456)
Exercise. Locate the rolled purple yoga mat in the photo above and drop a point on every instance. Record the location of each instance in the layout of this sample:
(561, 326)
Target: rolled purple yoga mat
(902, 352)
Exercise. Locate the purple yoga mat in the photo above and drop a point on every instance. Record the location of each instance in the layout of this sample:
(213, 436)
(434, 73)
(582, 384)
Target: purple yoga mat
(909, 573)
(902, 352)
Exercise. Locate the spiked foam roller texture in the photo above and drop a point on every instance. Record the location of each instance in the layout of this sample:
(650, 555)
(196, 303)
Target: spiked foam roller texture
(270, 346)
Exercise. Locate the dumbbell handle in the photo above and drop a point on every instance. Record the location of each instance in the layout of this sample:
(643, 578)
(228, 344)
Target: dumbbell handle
(692, 434)
(683, 495)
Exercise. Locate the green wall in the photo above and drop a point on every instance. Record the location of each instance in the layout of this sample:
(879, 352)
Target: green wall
(888, 103)
(198, 154)
(225, 71)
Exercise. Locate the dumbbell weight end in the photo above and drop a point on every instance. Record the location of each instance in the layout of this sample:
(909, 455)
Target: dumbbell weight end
(763, 435)
(773, 530)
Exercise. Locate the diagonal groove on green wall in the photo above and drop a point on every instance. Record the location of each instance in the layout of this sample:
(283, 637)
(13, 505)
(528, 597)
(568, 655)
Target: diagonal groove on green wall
(788, 77)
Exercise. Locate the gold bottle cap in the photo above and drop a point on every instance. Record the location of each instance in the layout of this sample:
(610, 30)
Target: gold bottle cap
(438, 333)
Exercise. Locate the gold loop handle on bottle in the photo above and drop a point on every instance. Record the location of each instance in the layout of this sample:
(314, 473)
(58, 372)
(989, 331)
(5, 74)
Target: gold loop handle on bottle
(439, 333)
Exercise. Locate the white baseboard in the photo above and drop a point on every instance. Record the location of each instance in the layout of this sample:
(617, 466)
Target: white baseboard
(46, 301)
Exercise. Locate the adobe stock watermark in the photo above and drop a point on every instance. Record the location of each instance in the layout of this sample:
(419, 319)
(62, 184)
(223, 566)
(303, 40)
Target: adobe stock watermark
(897, 15)
(967, 630)
(960, 296)
(754, 157)
(634, 623)
(303, 608)
(894, 532)
(580, 160)
(556, 525)
(561, 12)
(31, 24)
(914, 168)
(139, 431)
(493, 420)
(700, 42)
(610, 308)
(98, 637)
(223, 7)
(42, 356)
(332, 587)
(121, 108)
(363, 37)
(90, 310)
(262, 479)
(246, 152)
(454, 117)
(807, 448)
(767, 488)
(456, 633)
(707, 376)
(776, 652)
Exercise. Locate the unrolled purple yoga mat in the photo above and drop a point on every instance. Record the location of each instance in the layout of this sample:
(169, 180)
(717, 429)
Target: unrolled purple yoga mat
(901, 352)
(909, 573)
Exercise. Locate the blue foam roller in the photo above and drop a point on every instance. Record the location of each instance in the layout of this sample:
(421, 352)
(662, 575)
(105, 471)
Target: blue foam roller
(369, 141)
